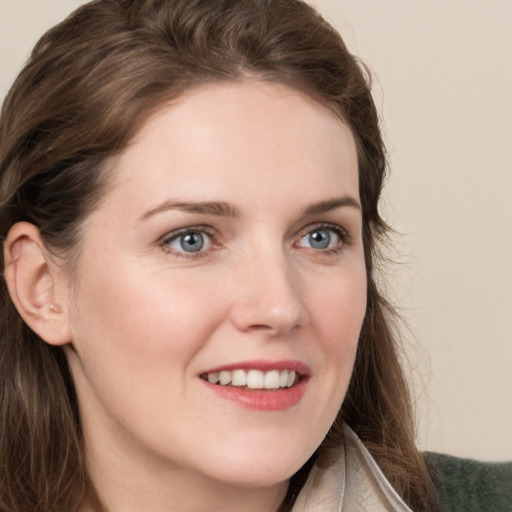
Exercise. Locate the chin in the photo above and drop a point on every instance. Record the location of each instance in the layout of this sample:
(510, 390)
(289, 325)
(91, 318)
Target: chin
(255, 477)
(260, 468)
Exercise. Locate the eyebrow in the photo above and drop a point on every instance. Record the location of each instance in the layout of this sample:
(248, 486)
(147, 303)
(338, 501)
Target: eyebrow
(332, 204)
(223, 209)
(218, 208)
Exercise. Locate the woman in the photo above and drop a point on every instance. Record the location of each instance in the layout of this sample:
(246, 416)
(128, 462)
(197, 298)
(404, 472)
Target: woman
(190, 318)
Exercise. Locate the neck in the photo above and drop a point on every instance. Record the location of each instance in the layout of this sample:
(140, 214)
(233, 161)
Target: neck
(203, 498)
(121, 485)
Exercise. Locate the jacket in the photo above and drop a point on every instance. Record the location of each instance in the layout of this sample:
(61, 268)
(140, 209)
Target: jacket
(347, 479)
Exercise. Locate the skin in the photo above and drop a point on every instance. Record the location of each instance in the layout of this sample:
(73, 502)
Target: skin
(146, 319)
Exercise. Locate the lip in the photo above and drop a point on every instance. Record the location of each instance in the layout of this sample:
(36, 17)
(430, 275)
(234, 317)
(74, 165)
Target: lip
(264, 366)
(259, 399)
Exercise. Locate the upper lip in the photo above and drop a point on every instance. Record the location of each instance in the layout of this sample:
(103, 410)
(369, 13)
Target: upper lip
(264, 366)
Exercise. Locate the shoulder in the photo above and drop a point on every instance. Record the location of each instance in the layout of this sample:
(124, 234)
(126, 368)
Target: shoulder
(467, 485)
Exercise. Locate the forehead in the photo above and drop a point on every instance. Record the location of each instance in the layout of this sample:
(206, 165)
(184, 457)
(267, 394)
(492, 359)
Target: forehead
(250, 135)
(248, 102)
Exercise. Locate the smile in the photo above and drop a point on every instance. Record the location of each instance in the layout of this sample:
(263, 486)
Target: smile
(253, 379)
(259, 384)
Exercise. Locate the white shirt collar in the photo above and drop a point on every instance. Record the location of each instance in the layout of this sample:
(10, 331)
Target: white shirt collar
(347, 479)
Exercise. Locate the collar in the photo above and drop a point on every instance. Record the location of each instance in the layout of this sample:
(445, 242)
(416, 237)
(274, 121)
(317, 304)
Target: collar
(347, 479)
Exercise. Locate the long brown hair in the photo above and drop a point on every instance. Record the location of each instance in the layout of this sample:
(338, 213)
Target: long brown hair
(87, 87)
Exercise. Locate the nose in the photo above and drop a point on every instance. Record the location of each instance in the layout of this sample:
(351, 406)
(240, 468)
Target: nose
(269, 298)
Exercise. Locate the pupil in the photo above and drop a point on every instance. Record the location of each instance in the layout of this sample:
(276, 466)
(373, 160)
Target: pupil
(320, 239)
(192, 242)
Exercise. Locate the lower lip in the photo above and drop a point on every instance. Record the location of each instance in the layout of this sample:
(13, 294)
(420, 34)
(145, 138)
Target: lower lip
(261, 399)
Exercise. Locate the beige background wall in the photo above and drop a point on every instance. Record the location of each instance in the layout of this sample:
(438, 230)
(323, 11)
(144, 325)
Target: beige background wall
(444, 87)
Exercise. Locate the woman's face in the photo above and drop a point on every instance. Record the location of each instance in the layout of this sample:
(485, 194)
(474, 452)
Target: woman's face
(228, 248)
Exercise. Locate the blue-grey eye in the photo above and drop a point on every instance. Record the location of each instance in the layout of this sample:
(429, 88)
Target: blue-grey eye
(320, 238)
(190, 242)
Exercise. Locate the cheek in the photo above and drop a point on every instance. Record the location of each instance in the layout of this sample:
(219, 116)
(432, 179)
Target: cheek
(135, 336)
(337, 314)
(339, 310)
(140, 313)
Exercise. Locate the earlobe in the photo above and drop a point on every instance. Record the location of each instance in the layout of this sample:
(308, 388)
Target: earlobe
(34, 283)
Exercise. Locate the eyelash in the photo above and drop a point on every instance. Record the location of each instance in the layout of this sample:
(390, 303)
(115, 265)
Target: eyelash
(344, 238)
(164, 242)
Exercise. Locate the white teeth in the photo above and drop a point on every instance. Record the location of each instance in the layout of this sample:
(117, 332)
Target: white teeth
(224, 378)
(239, 378)
(213, 378)
(253, 379)
(272, 380)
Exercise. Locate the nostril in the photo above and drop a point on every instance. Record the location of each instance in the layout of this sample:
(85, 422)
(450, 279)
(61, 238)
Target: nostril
(259, 317)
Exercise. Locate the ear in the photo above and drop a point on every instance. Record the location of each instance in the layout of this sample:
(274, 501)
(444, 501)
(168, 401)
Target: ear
(36, 284)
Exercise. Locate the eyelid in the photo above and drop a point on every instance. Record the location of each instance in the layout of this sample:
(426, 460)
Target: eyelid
(341, 232)
(169, 237)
